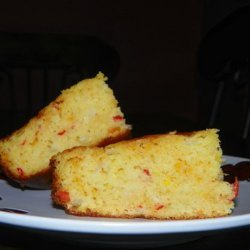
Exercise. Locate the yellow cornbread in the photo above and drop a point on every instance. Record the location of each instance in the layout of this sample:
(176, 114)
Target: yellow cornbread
(168, 176)
(85, 114)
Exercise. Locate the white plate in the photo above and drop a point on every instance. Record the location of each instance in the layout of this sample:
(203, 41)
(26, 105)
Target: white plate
(43, 217)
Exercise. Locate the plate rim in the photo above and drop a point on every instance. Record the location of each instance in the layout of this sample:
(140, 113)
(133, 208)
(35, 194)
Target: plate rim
(124, 227)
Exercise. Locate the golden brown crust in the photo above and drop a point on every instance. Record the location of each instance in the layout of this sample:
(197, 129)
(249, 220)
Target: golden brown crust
(120, 137)
(128, 135)
(141, 216)
(187, 134)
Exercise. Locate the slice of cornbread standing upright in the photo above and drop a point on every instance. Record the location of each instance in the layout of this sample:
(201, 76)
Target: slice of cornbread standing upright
(85, 114)
(171, 176)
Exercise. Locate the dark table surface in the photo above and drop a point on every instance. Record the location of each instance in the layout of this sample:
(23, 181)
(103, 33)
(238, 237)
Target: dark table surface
(12, 238)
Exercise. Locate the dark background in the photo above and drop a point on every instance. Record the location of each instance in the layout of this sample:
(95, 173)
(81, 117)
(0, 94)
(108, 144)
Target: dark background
(153, 66)
(156, 42)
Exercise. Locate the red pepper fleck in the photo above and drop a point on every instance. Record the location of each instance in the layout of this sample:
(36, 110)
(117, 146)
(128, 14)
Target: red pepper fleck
(61, 132)
(117, 118)
(236, 187)
(57, 104)
(146, 171)
(158, 207)
(20, 172)
(62, 196)
(140, 206)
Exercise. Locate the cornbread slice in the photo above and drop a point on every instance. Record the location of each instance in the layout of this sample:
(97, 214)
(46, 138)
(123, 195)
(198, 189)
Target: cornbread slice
(169, 176)
(85, 114)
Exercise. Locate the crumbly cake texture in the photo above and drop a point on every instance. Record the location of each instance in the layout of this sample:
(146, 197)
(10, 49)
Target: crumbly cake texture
(85, 114)
(169, 176)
